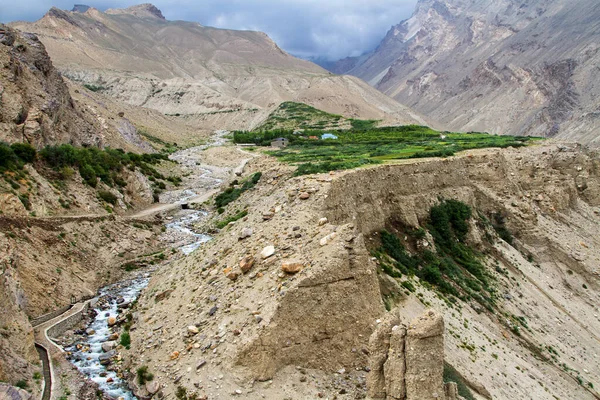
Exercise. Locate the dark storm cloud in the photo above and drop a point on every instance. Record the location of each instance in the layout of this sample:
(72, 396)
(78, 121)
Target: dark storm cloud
(329, 29)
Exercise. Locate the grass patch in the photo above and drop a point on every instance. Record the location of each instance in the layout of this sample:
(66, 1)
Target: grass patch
(232, 193)
(452, 375)
(455, 269)
(143, 375)
(223, 223)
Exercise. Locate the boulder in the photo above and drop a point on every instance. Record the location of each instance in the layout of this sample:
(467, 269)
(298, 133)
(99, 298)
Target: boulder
(12, 393)
(111, 321)
(105, 358)
(192, 330)
(108, 346)
(152, 387)
(163, 295)
(304, 196)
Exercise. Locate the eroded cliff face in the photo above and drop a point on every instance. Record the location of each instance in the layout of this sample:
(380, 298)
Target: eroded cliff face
(304, 309)
(36, 106)
(511, 67)
(548, 277)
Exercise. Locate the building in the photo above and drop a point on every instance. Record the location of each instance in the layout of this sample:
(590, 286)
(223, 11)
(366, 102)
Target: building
(280, 142)
(328, 136)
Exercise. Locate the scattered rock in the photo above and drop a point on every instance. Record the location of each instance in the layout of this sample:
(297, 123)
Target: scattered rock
(193, 330)
(245, 233)
(163, 295)
(246, 264)
(304, 196)
(231, 273)
(327, 239)
(174, 355)
(322, 221)
(152, 387)
(267, 252)
(291, 267)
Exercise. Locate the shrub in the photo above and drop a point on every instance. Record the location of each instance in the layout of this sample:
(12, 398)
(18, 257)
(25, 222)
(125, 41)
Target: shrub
(24, 151)
(89, 175)
(125, 340)
(143, 375)
(222, 224)
(231, 194)
(22, 384)
(107, 196)
(452, 375)
(66, 172)
(8, 158)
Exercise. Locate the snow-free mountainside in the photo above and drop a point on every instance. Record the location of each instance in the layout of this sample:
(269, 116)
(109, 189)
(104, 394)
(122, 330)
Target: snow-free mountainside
(506, 67)
(191, 213)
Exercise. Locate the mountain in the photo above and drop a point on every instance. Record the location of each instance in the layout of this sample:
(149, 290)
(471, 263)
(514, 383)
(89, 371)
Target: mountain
(511, 67)
(220, 78)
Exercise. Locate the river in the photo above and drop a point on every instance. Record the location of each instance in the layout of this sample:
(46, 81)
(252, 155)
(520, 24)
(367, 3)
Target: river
(87, 354)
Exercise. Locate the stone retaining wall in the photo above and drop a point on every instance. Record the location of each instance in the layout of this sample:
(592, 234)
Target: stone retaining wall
(47, 317)
(68, 323)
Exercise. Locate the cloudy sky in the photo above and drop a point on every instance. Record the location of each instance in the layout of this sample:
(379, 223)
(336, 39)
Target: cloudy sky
(331, 29)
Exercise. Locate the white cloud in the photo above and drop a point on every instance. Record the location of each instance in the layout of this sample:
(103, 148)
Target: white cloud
(330, 29)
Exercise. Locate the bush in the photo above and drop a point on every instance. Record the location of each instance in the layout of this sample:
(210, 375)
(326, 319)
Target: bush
(125, 340)
(89, 175)
(8, 158)
(22, 384)
(452, 375)
(107, 196)
(222, 224)
(143, 375)
(24, 151)
(231, 194)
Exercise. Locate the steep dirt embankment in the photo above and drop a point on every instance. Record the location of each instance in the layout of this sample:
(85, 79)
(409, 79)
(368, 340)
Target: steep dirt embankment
(303, 309)
(548, 196)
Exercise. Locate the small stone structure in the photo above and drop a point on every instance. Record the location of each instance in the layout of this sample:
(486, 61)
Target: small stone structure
(280, 142)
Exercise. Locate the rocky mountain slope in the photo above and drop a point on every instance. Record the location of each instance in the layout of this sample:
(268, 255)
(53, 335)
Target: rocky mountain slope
(218, 78)
(40, 107)
(283, 302)
(67, 255)
(511, 67)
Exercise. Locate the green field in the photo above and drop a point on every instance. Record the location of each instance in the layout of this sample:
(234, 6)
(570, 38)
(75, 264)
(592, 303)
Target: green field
(357, 147)
(290, 115)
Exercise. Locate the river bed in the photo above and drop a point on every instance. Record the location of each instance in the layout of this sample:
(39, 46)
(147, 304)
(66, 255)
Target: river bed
(87, 353)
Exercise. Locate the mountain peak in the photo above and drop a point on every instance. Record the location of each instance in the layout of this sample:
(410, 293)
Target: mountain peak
(81, 8)
(141, 10)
